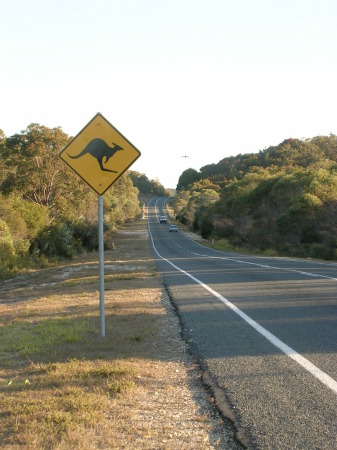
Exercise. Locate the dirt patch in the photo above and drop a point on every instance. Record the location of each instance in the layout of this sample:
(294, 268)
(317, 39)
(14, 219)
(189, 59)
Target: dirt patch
(65, 387)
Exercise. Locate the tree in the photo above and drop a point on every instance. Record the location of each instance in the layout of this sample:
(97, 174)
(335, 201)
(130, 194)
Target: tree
(35, 172)
(187, 178)
(145, 186)
(121, 202)
(33, 159)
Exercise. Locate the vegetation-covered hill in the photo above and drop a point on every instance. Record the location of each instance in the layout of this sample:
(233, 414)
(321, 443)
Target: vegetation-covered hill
(283, 198)
(46, 211)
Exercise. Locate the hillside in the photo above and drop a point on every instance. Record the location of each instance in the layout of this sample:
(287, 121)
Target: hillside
(283, 199)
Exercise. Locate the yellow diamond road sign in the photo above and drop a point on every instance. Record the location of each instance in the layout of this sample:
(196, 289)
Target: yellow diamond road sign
(99, 154)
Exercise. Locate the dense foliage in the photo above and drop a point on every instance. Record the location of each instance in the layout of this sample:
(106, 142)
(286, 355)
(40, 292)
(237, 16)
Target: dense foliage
(147, 187)
(46, 210)
(283, 198)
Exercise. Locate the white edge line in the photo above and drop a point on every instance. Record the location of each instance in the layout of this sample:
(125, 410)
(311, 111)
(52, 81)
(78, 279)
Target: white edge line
(306, 364)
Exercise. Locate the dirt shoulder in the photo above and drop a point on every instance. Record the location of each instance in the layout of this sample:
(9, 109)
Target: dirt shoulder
(137, 388)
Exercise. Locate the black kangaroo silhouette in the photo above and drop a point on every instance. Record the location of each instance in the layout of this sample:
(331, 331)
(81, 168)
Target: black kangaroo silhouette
(99, 149)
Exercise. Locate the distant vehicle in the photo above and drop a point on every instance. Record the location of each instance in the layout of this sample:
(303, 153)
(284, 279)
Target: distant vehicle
(173, 228)
(162, 219)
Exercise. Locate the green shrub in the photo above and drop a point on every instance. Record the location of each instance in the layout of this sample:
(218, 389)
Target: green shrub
(35, 216)
(22, 252)
(86, 236)
(54, 241)
(64, 239)
(7, 250)
(322, 251)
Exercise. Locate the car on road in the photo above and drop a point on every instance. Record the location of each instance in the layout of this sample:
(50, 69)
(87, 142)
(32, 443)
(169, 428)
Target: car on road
(162, 219)
(174, 228)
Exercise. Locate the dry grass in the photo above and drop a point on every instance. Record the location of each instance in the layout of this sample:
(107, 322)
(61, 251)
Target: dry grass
(62, 386)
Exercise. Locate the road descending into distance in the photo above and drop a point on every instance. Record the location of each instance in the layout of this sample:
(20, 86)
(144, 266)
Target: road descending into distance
(265, 331)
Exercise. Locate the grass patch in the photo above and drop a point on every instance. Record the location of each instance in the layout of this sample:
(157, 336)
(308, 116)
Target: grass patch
(58, 399)
(59, 380)
(30, 338)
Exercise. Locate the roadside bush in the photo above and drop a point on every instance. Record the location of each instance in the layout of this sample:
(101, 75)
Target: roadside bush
(56, 240)
(86, 236)
(35, 216)
(22, 252)
(63, 240)
(322, 251)
(13, 219)
(7, 250)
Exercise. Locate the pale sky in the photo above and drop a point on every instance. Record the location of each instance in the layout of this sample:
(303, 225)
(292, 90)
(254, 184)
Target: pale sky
(207, 79)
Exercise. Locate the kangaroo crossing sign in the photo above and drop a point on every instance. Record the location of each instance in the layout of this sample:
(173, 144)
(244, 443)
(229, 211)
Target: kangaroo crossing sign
(99, 154)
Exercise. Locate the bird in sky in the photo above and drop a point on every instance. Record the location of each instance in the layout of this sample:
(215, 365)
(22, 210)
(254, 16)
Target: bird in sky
(185, 156)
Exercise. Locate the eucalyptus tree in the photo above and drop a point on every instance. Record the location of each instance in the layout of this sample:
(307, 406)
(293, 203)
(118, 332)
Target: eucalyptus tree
(35, 172)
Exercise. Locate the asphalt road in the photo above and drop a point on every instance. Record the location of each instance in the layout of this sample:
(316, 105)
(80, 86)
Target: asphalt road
(264, 329)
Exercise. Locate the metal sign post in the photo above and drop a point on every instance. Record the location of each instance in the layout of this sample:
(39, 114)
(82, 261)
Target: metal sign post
(100, 154)
(101, 265)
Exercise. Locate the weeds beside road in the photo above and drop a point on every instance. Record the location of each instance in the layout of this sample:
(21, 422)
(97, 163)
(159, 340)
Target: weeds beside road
(62, 386)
